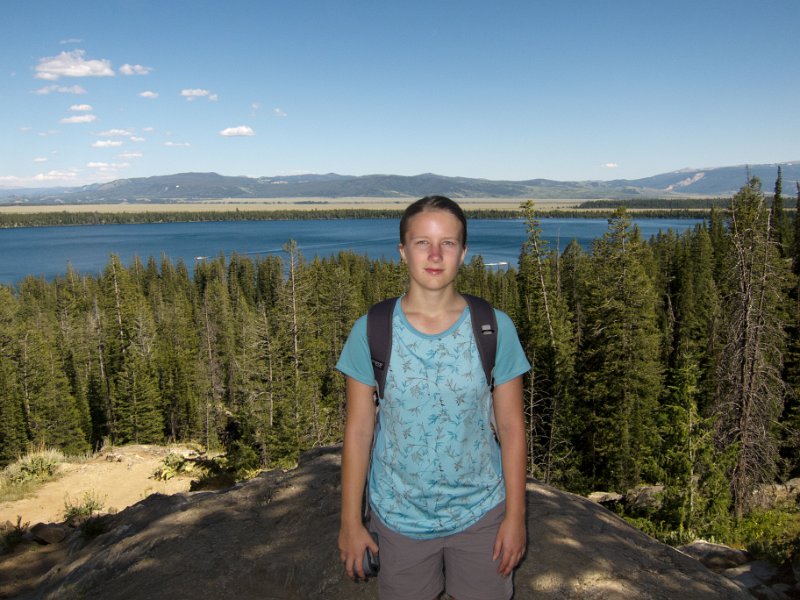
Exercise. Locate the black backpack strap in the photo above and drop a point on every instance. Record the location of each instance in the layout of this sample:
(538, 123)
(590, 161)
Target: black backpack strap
(379, 337)
(484, 328)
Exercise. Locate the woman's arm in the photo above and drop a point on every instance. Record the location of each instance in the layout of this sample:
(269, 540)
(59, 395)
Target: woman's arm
(359, 428)
(508, 411)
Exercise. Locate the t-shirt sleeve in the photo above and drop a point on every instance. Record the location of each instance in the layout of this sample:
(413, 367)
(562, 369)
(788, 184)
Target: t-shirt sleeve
(510, 361)
(355, 361)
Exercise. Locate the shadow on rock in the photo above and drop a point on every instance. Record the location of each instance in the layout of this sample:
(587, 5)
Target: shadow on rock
(274, 537)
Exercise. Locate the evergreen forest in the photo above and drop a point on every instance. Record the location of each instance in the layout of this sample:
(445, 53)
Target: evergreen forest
(674, 360)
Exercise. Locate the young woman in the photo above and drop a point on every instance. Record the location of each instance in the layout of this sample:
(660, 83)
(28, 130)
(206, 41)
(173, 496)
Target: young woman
(448, 502)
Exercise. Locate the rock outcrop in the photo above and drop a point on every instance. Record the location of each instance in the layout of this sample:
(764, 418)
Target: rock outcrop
(274, 537)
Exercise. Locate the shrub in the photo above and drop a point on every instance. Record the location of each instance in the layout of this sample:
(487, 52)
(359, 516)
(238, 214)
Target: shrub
(12, 535)
(22, 477)
(84, 509)
(39, 465)
(172, 466)
(772, 534)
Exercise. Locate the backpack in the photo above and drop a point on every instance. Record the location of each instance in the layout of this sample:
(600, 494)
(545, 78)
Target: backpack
(379, 336)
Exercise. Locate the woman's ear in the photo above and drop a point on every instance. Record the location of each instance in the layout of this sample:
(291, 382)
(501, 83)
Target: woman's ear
(402, 249)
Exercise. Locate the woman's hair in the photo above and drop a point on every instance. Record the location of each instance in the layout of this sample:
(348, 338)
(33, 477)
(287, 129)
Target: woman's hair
(433, 203)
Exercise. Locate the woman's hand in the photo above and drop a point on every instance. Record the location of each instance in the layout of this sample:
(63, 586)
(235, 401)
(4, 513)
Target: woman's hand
(353, 542)
(510, 544)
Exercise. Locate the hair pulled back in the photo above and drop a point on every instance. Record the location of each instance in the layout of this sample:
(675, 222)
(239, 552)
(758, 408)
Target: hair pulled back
(433, 203)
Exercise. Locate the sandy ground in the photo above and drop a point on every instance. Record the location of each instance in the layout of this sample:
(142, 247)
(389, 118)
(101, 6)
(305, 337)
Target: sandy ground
(118, 477)
(229, 204)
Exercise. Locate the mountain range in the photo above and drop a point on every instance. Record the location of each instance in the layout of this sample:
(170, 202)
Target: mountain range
(183, 187)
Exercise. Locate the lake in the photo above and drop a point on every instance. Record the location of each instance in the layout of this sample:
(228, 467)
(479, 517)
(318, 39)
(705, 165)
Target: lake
(46, 251)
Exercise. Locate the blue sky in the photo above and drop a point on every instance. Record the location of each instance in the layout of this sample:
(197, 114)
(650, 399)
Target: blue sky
(572, 90)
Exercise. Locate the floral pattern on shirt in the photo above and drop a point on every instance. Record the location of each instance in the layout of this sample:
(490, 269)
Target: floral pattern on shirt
(436, 465)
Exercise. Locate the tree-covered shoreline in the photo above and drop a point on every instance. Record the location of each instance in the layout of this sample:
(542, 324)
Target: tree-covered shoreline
(672, 361)
(9, 220)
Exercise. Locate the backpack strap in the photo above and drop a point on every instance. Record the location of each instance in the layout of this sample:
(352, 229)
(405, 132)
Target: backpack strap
(379, 337)
(484, 329)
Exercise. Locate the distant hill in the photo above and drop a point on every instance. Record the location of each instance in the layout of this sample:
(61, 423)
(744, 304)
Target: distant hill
(186, 187)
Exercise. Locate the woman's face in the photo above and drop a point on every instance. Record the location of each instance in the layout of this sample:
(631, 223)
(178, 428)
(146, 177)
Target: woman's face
(432, 248)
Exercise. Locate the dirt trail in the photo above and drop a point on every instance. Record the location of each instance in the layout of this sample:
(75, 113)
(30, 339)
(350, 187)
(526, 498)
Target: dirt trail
(118, 477)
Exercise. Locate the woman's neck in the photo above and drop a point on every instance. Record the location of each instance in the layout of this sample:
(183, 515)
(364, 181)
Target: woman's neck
(433, 311)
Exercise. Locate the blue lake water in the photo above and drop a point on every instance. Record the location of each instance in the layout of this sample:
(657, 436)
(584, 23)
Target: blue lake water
(46, 251)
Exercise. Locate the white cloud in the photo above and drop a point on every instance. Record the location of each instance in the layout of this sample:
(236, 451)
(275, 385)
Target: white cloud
(47, 133)
(107, 144)
(129, 155)
(127, 69)
(278, 112)
(241, 130)
(149, 95)
(72, 64)
(60, 89)
(79, 119)
(25, 129)
(115, 133)
(40, 159)
(71, 41)
(148, 129)
(104, 166)
(136, 138)
(81, 108)
(193, 94)
(177, 144)
(69, 177)
(610, 165)
(55, 176)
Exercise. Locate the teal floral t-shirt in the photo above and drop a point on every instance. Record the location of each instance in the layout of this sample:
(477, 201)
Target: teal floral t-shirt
(436, 465)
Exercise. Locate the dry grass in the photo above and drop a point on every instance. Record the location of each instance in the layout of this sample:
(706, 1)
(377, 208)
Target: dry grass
(229, 204)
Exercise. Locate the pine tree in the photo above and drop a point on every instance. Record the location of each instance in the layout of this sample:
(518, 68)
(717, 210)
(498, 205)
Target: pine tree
(573, 274)
(790, 419)
(697, 310)
(72, 302)
(781, 228)
(750, 393)
(176, 352)
(546, 331)
(335, 303)
(216, 346)
(13, 438)
(619, 363)
(294, 346)
(139, 416)
(51, 413)
(696, 496)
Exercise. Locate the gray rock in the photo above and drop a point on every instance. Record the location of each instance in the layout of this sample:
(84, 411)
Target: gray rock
(783, 589)
(275, 537)
(49, 533)
(715, 556)
(753, 574)
(765, 592)
(605, 497)
(644, 497)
